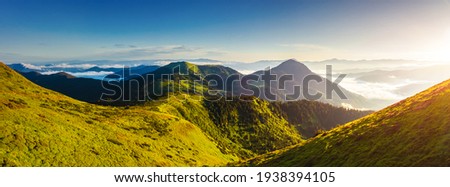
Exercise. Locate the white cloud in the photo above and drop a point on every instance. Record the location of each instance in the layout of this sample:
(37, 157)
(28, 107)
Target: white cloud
(346, 105)
(91, 73)
(65, 65)
(31, 66)
(49, 67)
(383, 91)
(87, 74)
(116, 65)
(125, 52)
(156, 52)
(246, 72)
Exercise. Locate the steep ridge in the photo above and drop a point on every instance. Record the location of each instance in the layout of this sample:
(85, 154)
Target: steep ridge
(413, 132)
(239, 138)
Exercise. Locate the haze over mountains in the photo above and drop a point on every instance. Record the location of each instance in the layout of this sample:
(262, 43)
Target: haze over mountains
(84, 70)
(92, 90)
(384, 82)
(299, 72)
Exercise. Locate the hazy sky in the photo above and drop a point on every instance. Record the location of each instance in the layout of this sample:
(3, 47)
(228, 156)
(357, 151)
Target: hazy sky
(245, 30)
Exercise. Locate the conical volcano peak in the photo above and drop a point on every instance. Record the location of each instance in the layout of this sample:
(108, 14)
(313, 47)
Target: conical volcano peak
(293, 66)
(291, 61)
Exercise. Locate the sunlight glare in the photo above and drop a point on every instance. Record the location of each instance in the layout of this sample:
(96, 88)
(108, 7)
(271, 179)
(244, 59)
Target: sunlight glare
(442, 52)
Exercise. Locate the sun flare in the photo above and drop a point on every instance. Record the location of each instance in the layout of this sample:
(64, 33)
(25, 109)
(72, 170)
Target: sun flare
(441, 51)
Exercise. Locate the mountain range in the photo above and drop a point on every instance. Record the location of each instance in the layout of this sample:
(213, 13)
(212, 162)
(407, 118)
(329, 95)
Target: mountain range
(231, 83)
(196, 78)
(380, 82)
(41, 127)
(300, 73)
(86, 70)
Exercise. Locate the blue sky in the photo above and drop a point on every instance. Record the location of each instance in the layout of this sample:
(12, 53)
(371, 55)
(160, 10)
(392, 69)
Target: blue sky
(246, 30)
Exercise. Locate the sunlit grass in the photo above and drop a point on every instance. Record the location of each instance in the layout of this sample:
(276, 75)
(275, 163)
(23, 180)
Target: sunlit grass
(44, 128)
(413, 132)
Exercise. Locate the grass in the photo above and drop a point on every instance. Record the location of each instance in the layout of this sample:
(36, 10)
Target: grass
(260, 133)
(43, 128)
(413, 132)
(40, 127)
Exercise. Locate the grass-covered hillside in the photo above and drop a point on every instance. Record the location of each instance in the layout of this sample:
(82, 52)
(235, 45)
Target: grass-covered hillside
(260, 132)
(44, 128)
(413, 132)
(40, 127)
(177, 77)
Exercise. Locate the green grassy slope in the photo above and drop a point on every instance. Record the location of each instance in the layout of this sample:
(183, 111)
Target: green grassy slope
(250, 126)
(40, 127)
(261, 132)
(267, 130)
(413, 132)
(174, 78)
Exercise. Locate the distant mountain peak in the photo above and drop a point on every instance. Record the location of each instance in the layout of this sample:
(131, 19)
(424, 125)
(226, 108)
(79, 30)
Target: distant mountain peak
(291, 61)
(181, 63)
(181, 66)
(293, 66)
